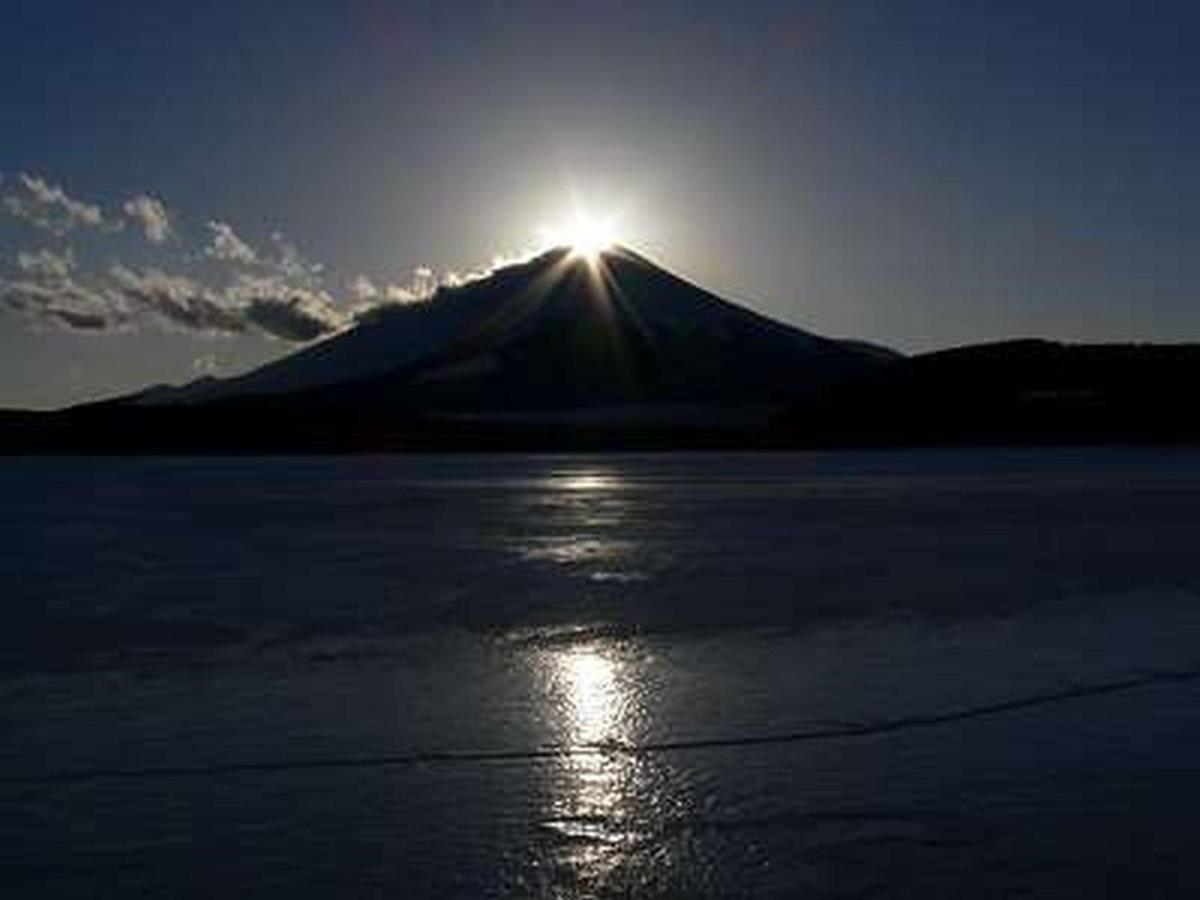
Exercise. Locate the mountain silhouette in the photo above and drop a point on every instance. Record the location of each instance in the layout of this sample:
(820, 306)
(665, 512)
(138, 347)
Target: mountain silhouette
(1024, 391)
(561, 352)
(557, 333)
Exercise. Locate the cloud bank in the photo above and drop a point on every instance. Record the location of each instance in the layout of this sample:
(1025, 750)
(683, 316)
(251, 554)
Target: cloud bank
(47, 291)
(215, 283)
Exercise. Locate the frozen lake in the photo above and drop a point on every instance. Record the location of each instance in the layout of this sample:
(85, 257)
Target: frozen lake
(920, 674)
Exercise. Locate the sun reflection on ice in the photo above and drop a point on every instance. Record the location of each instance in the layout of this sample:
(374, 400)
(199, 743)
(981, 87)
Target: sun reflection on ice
(593, 811)
(578, 524)
(593, 696)
(608, 812)
(587, 480)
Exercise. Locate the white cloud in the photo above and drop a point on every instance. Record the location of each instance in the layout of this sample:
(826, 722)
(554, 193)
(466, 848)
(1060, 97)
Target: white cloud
(396, 293)
(226, 245)
(150, 213)
(47, 206)
(363, 289)
(292, 265)
(421, 286)
(46, 264)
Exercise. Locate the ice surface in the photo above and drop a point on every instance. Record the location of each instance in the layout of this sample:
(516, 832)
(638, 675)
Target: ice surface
(561, 676)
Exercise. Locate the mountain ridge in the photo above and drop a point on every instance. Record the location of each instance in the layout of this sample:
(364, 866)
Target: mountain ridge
(559, 353)
(621, 327)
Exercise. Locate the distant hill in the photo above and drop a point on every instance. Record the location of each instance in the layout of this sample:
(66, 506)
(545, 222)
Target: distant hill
(1023, 391)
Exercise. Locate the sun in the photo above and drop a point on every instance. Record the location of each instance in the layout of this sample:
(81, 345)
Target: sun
(587, 235)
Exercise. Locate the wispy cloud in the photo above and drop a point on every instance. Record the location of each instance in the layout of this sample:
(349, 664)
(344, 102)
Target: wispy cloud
(151, 216)
(48, 206)
(420, 287)
(290, 263)
(226, 245)
(220, 285)
(363, 289)
(46, 264)
(67, 304)
(250, 303)
(177, 300)
(46, 291)
(295, 318)
(283, 310)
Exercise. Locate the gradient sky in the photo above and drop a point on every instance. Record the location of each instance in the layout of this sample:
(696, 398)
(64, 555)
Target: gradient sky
(915, 172)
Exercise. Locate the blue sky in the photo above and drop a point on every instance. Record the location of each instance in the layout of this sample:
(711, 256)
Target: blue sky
(918, 173)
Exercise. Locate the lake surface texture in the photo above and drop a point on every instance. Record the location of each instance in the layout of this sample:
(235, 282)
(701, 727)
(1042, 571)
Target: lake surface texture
(897, 674)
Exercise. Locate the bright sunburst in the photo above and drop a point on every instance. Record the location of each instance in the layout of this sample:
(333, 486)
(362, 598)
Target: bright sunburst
(587, 235)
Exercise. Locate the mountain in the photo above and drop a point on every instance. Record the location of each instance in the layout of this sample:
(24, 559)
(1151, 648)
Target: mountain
(556, 352)
(555, 335)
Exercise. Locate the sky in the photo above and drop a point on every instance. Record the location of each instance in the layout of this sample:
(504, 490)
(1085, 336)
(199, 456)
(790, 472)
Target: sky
(195, 188)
